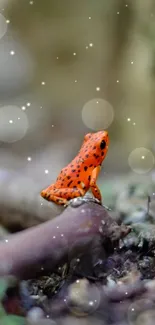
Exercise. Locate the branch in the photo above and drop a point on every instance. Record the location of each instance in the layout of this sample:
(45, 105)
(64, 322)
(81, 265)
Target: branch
(42, 248)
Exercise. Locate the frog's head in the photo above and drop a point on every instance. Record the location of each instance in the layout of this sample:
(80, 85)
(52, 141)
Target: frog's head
(96, 146)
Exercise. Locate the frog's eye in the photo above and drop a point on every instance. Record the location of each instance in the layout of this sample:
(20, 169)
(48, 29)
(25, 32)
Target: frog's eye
(87, 136)
(103, 144)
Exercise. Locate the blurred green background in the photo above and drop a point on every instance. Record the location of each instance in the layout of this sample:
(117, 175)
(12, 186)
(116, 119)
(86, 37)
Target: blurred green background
(72, 67)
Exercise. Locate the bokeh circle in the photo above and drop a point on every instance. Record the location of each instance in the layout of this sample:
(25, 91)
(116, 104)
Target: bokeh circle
(3, 26)
(137, 309)
(141, 160)
(83, 298)
(13, 124)
(97, 114)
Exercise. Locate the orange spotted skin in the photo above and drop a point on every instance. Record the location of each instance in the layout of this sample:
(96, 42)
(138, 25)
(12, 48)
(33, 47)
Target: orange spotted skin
(81, 174)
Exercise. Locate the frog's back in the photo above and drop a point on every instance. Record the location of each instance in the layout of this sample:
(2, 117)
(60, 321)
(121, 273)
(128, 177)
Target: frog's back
(72, 175)
(80, 169)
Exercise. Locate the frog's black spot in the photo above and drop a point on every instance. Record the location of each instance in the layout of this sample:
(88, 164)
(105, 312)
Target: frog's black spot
(89, 177)
(102, 153)
(75, 187)
(78, 166)
(85, 168)
(69, 183)
(68, 177)
(62, 184)
(73, 170)
(97, 156)
(94, 147)
(79, 182)
(69, 198)
(94, 155)
(91, 165)
(78, 170)
(77, 175)
(103, 144)
(87, 156)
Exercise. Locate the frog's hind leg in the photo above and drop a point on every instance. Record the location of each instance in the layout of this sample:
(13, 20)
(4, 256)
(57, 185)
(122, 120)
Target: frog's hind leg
(56, 199)
(47, 192)
(61, 196)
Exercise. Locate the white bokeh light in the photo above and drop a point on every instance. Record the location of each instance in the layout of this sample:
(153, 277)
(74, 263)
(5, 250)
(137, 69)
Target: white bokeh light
(12, 52)
(13, 124)
(3, 26)
(97, 114)
(141, 160)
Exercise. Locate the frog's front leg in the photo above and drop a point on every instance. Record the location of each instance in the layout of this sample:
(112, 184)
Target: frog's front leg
(61, 196)
(94, 188)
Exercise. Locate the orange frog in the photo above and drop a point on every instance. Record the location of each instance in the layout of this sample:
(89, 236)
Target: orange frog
(81, 174)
